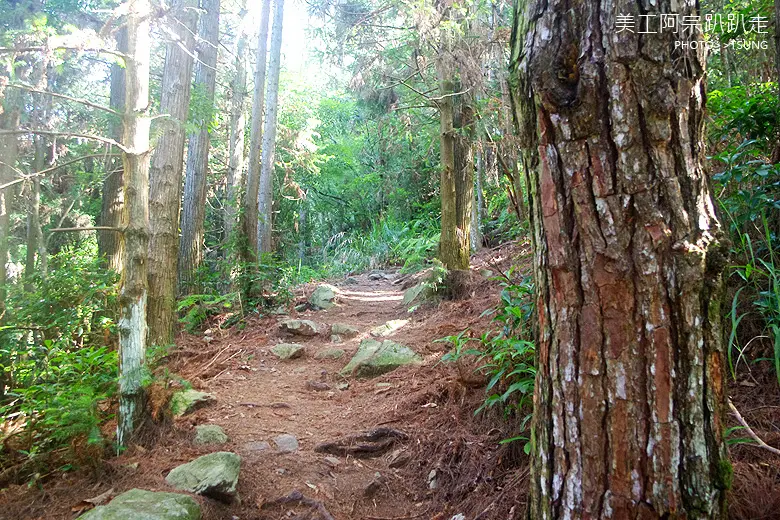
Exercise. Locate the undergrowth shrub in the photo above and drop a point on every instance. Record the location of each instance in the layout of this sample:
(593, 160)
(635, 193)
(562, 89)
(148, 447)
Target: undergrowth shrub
(505, 354)
(59, 360)
(744, 133)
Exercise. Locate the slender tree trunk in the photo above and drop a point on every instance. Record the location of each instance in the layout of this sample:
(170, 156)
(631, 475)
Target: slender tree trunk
(9, 120)
(41, 113)
(454, 247)
(776, 151)
(629, 391)
(302, 230)
(265, 192)
(135, 219)
(194, 207)
(236, 132)
(165, 176)
(477, 210)
(109, 242)
(449, 252)
(249, 215)
(464, 176)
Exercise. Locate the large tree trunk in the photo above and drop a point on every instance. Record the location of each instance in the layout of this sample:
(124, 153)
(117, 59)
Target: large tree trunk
(249, 216)
(194, 208)
(236, 132)
(135, 219)
(109, 242)
(265, 191)
(629, 391)
(165, 176)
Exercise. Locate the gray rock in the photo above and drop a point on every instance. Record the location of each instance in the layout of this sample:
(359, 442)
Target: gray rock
(317, 386)
(256, 446)
(375, 277)
(344, 330)
(335, 338)
(330, 353)
(388, 328)
(286, 443)
(414, 294)
(186, 401)
(214, 475)
(399, 459)
(332, 461)
(288, 350)
(351, 281)
(433, 482)
(140, 504)
(210, 434)
(374, 358)
(300, 327)
(323, 297)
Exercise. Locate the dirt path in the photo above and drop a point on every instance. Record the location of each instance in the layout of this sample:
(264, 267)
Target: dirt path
(260, 397)
(306, 398)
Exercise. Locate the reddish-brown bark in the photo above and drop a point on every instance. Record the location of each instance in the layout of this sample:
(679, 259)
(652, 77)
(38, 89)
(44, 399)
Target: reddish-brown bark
(628, 264)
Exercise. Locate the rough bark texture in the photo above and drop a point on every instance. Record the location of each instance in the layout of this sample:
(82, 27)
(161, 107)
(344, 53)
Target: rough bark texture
(165, 176)
(629, 390)
(135, 219)
(109, 242)
(451, 252)
(265, 191)
(194, 206)
(236, 132)
(249, 215)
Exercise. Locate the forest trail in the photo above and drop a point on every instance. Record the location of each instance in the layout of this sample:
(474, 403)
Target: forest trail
(264, 397)
(259, 397)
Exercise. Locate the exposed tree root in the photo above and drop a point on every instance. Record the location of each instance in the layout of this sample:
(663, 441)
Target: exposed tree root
(296, 497)
(363, 445)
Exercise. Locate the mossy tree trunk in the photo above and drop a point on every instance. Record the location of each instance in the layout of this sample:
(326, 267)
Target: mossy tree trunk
(456, 127)
(133, 292)
(630, 387)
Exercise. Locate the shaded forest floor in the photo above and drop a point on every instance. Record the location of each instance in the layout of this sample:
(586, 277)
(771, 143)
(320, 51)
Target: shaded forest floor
(450, 463)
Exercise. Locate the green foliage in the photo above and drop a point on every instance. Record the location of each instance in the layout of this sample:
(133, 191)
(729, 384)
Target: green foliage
(196, 308)
(745, 134)
(56, 349)
(506, 354)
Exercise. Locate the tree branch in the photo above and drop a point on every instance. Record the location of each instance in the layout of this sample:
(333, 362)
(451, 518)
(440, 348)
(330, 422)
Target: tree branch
(8, 50)
(90, 228)
(749, 430)
(67, 134)
(63, 96)
(23, 177)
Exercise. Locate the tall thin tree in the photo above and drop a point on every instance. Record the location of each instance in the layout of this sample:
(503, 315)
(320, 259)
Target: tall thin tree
(249, 215)
(109, 243)
(236, 146)
(165, 174)
(193, 210)
(135, 220)
(629, 392)
(265, 192)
